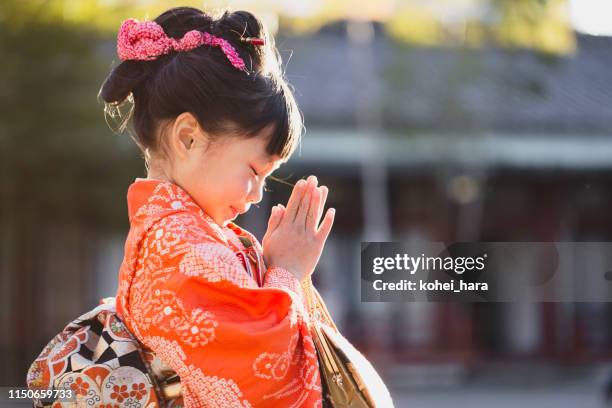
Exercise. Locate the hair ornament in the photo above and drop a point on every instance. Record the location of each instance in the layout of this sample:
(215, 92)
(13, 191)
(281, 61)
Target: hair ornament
(146, 40)
(253, 40)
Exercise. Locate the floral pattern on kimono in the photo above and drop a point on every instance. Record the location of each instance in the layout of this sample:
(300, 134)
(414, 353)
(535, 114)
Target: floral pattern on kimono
(235, 339)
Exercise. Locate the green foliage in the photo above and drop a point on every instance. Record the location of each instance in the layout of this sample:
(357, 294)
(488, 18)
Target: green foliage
(56, 148)
(536, 24)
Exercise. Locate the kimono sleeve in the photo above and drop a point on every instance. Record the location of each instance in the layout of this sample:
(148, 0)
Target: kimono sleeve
(232, 343)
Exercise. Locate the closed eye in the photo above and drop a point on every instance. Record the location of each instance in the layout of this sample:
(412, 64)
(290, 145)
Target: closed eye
(257, 175)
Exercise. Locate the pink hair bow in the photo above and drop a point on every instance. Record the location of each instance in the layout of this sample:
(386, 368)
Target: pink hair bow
(147, 40)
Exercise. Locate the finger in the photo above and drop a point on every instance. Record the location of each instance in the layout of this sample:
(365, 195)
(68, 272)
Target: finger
(300, 217)
(282, 212)
(313, 212)
(295, 199)
(326, 225)
(322, 204)
(275, 218)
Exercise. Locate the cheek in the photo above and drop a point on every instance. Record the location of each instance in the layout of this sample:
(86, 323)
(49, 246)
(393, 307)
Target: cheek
(245, 185)
(237, 189)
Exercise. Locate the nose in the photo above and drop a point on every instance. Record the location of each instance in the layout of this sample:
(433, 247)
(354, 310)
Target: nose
(256, 194)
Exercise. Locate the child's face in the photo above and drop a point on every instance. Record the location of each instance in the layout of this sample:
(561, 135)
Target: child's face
(228, 176)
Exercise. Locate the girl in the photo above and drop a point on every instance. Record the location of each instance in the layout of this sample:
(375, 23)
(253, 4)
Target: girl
(214, 118)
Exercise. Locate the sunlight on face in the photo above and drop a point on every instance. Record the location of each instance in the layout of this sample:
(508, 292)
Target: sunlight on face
(229, 176)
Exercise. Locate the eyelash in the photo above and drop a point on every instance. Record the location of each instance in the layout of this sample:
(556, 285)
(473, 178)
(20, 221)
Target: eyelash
(264, 184)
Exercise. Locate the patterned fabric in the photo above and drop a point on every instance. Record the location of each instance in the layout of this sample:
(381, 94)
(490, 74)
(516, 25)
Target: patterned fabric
(147, 40)
(235, 331)
(97, 358)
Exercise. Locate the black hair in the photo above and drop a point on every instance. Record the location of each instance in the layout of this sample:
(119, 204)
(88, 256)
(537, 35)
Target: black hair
(203, 82)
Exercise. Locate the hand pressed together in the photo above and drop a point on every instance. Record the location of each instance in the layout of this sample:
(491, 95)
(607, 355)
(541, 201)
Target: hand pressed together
(295, 239)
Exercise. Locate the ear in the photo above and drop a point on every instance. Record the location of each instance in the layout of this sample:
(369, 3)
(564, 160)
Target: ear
(183, 134)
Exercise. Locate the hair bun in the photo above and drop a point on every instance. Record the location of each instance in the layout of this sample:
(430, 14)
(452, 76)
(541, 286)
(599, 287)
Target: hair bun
(123, 79)
(241, 24)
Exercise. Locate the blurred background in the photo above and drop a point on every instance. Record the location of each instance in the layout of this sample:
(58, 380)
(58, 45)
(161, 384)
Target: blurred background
(429, 120)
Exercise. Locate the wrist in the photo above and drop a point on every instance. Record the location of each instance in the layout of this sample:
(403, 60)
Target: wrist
(289, 268)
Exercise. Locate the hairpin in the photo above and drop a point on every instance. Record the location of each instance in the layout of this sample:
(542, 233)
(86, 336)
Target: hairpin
(253, 40)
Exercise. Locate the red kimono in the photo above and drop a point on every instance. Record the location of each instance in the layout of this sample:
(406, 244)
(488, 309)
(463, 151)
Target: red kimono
(201, 298)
